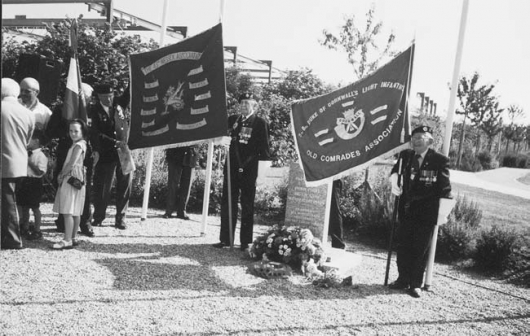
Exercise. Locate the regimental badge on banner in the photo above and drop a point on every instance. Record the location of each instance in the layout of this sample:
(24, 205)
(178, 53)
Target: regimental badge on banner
(178, 92)
(346, 130)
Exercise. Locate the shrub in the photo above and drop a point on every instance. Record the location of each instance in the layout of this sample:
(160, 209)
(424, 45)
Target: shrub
(486, 160)
(494, 249)
(455, 241)
(158, 186)
(509, 160)
(375, 210)
(195, 201)
(457, 237)
(522, 161)
(467, 212)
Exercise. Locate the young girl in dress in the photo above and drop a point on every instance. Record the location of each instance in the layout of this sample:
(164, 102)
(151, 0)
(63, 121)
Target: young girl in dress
(69, 201)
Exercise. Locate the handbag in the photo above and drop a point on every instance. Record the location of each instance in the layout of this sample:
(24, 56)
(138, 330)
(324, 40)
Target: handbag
(75, 182)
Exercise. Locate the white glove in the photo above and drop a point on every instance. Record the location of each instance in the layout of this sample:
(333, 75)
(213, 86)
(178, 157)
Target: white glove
(223, 141)
(446, 205)
(396, 189)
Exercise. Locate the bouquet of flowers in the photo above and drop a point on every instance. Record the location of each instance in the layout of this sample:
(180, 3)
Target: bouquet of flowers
(293, 246)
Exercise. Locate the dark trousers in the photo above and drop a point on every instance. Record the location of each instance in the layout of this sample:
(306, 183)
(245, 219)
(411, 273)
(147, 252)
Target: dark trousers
(335, 217)
(86, 216)
(10, 225)
(245, 186)
(412, 252)
(103, 179)
(179, 183)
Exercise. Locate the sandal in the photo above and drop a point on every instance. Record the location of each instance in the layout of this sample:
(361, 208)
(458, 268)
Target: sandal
(75, 242)
(63, 245)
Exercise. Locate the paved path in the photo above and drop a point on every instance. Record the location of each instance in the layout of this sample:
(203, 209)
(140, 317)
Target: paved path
(502, 180)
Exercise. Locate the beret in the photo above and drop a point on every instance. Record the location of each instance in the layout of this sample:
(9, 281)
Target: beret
(422, 129)
(246, 95)
(104, 88)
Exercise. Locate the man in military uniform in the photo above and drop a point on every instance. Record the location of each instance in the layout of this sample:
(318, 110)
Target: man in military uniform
(106, 143)
(181, 162)
(426, 182)
(249, 143)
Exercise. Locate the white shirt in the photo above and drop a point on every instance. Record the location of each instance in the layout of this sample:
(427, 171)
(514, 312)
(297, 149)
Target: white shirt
(42, 114)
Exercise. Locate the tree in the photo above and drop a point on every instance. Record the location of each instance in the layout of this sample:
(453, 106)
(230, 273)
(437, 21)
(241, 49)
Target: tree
(361, 45)
(492, 122)
(474, 101)
(276, 104)
(102, 53)
(511, 132)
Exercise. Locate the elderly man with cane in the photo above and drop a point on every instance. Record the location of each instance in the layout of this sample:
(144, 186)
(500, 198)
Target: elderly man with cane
(425, 189)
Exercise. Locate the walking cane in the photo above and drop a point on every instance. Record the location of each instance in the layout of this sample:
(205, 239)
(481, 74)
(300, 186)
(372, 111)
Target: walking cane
(394, 220)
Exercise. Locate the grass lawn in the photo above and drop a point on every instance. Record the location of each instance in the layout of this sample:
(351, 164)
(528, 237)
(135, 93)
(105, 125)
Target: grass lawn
(498, 208)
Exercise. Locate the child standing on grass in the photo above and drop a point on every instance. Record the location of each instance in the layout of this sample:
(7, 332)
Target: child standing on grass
(70, 200)
(30, 189)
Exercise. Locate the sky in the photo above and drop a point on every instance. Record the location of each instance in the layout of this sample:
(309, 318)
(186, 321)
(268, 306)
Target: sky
(287, 32)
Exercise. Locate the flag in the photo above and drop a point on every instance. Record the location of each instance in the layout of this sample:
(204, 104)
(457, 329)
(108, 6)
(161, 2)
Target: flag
(74, 104)
(348, 129)
(178, 92)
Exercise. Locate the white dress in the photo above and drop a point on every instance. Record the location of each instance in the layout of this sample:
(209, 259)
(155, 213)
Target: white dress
(69, 200)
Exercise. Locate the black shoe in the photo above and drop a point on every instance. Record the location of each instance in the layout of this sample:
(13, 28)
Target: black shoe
(183, 216)
(35, 235)
(166, 215)
(243, 247)
(120, 225)
(398, 285)
(8, 247)
(220, 245)
(415, 292)
(88, 232)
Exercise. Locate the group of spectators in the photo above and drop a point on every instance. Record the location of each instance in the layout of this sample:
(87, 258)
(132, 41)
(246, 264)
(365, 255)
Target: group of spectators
(98, 143)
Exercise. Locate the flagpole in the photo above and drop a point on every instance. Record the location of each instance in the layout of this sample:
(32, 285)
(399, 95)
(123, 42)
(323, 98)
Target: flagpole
(209, 162)
(207, 184)
(150, 155)
(449, 126)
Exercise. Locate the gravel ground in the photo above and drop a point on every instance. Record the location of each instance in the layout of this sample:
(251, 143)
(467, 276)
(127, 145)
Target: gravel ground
(161, 277)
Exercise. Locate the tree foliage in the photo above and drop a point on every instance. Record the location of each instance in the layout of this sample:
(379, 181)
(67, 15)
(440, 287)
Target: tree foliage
(277, 99)
(361, 45)
(102, 53)
(477, 103)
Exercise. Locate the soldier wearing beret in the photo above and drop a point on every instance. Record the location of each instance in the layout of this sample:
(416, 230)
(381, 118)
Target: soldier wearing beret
(425, 178)
(249, 143)
(106, 142)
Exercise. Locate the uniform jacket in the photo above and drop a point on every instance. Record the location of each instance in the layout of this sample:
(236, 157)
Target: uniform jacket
(18, 124)
(422, 191)
(250, 143)
(184, 156)
(105, 130)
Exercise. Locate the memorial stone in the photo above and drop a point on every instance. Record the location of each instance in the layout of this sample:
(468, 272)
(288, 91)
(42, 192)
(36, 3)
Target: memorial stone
(306, 206)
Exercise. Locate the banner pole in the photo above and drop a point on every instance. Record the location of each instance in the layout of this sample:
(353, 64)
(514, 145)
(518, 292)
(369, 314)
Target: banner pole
(327, 212)
(448, 129)
(150, 154)
(207, 185)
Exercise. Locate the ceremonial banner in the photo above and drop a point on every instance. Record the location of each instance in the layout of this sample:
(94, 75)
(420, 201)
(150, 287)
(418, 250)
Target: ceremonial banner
(74, 103)
(178, 92)
(346, 130)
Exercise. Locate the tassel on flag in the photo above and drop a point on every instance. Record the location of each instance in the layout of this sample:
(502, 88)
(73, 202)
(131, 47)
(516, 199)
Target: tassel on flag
(74, 104)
